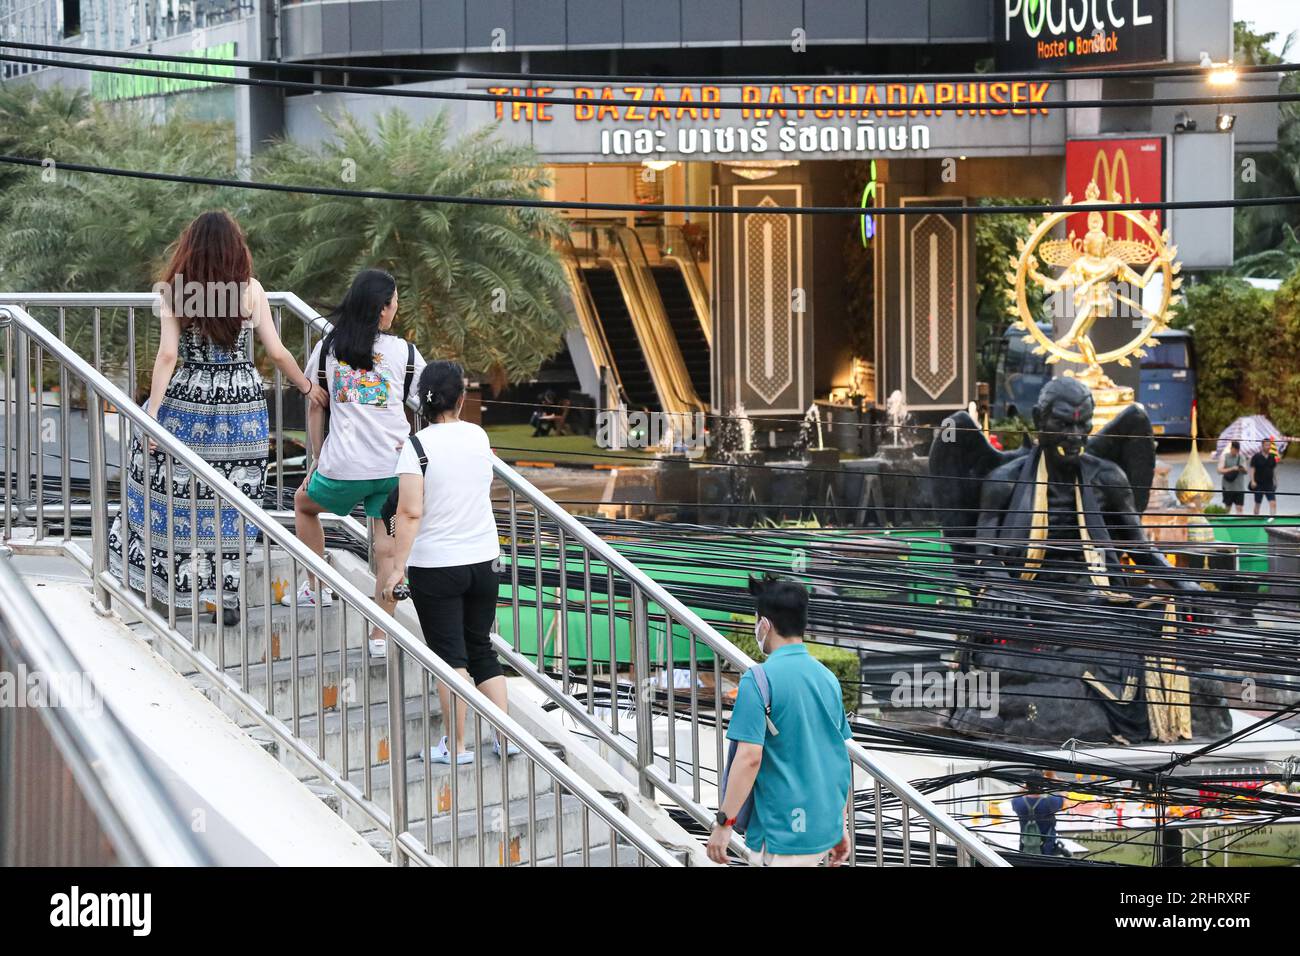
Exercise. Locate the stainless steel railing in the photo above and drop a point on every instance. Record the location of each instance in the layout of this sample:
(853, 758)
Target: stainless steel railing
(74, 790)
(620, 643)
(292, 671)
(585, 593)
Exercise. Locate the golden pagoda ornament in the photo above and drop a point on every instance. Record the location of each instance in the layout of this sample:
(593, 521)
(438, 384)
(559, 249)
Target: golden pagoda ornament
(1095, 271)
(1195, 490)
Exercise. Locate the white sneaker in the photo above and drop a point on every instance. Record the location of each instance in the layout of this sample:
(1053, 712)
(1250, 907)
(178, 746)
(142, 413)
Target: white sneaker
(306, 597)
(440, 754)
(511, 749)
(378, 647)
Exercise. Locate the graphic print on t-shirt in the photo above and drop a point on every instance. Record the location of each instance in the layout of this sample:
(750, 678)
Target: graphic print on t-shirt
(360, 386)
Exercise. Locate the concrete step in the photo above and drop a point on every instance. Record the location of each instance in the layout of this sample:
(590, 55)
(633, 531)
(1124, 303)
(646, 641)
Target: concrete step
(248, 639)
(322, 684)
(506, 841)
(256, 574)
(336, 732)
(438, 794)
(607, 855)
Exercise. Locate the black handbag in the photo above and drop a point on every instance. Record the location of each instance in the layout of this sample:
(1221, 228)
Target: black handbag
(389, 512)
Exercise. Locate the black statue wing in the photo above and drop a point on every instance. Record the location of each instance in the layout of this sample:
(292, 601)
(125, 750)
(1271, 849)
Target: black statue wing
(1129, 442)
(960, 458)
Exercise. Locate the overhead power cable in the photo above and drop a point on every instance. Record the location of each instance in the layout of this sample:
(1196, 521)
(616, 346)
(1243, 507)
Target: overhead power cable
(1027, 106)
(45, 162)
(1144, 73)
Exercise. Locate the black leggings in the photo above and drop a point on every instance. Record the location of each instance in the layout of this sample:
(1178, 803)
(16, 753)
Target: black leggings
(457, 607)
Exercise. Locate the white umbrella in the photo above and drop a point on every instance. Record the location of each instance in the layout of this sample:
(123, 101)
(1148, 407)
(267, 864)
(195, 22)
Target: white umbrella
(1252, 431)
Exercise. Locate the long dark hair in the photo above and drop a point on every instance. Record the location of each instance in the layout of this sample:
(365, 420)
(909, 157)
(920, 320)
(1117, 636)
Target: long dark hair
(212, 252)
(356, 319)
(442, 383)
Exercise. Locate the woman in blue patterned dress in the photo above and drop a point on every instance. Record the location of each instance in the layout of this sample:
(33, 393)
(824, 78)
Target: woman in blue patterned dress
(211, 306)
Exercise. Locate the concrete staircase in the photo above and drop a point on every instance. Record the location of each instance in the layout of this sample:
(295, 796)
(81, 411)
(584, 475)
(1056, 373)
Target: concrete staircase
(333, 695)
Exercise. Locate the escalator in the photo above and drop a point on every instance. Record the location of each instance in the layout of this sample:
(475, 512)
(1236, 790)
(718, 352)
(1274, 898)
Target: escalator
(620, 335)
(633, 343)
(689, 333)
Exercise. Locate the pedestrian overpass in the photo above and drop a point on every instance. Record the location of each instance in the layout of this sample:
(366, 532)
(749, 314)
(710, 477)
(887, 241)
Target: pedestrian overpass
(282, 735)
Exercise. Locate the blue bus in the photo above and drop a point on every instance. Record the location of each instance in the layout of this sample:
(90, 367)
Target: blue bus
(1166, 386)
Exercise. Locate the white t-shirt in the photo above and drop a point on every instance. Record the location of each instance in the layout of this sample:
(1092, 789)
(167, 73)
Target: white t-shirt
(367, 424)
(457, 526)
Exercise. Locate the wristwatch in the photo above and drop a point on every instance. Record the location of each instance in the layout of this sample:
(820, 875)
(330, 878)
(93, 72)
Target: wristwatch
(722, 820)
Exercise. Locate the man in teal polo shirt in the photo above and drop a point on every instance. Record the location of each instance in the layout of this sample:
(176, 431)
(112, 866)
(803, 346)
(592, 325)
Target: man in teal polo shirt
(800, 775)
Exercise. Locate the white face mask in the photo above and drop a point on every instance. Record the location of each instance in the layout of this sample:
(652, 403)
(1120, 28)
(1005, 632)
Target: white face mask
(758, 636)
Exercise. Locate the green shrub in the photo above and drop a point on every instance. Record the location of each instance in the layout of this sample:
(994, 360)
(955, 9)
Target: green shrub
(1011, 431)
(841, 662)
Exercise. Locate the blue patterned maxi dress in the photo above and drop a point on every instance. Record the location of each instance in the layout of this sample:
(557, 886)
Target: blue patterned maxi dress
(215, 405)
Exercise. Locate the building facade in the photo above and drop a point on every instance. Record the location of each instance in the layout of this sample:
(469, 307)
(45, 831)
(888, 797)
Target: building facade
(788, 310)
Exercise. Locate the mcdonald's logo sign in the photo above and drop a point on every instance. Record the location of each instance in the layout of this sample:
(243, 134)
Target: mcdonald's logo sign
(1132, 168)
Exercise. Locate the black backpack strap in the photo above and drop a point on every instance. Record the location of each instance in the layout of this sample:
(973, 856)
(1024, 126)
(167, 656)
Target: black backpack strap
(419, 450)
(410, 370)
(323, 382)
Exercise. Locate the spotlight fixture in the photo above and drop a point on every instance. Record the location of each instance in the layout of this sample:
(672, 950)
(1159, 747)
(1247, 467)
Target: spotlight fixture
(1184, 123)
(1225, 121)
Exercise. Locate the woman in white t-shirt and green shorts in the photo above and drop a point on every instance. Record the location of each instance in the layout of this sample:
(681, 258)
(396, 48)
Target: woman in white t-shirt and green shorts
(367, 373)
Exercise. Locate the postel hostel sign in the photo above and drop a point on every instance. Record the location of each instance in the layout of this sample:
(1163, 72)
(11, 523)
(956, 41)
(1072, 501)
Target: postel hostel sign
(1081, 34)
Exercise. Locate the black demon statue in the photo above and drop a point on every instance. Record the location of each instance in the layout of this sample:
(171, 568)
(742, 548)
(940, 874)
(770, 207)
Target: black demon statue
(1062, 584)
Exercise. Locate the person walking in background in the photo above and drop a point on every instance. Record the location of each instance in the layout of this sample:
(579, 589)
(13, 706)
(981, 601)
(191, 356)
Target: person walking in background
(447, 542)
(214, 402)
(368, 374)
(1037, 812)
(789, 731)
(1263, 476)
(1233, 467)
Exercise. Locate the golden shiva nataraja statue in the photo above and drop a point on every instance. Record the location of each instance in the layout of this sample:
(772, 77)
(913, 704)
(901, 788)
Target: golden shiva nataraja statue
(1097, 273)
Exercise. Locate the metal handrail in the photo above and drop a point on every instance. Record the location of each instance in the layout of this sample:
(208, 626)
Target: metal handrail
(912, 799)
(663, 357)
(402, 643)
(913, 804)
(656, 319)
(128, 805)
(702, 631)
(693, 276)
(589, 319)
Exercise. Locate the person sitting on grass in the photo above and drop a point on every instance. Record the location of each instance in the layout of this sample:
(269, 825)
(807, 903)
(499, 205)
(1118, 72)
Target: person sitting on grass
(550, 418)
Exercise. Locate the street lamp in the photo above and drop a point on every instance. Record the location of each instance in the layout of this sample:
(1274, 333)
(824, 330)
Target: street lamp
(1220, 74)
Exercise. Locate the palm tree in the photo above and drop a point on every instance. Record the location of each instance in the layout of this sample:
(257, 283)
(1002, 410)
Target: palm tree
(481, 284)
(78, 232)
(1265, 235)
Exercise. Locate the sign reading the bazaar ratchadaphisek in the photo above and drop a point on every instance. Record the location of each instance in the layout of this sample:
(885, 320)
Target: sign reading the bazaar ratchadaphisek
(842, 119)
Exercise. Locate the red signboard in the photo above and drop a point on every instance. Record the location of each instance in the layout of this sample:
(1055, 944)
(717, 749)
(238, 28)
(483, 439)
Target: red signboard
(1133, 168)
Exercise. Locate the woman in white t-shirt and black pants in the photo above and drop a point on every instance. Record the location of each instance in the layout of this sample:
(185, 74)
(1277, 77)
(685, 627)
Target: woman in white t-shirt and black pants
(447, 542)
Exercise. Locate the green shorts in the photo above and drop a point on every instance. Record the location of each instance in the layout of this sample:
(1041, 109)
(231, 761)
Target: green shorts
(340, 497)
